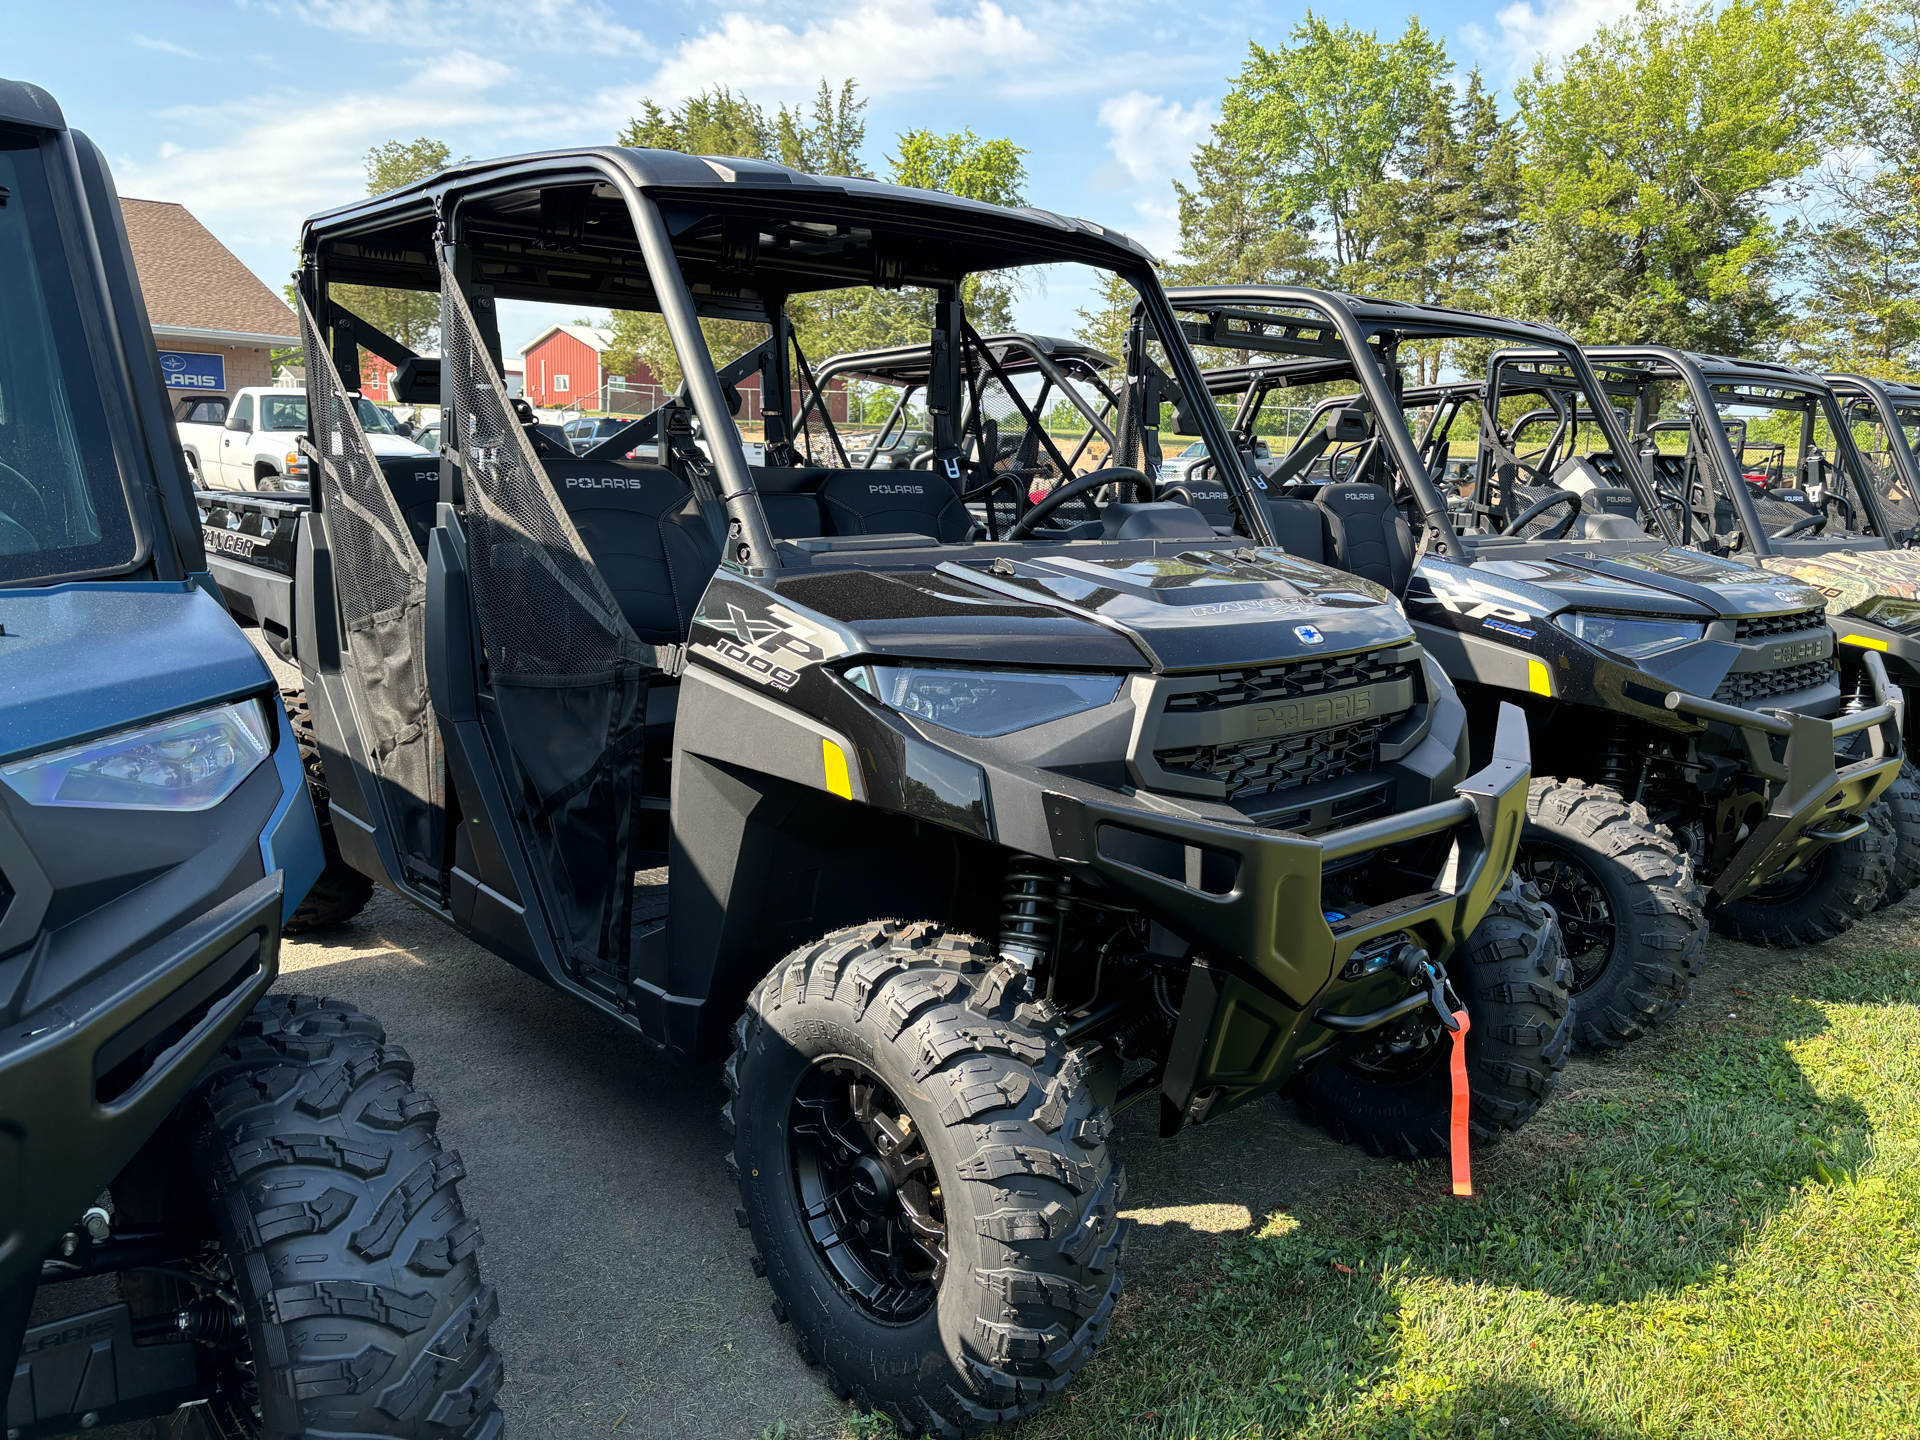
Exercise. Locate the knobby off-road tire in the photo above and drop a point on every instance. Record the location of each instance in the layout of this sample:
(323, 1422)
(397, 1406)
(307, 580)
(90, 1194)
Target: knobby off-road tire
(1630, 911)
(1903, 800)
(1823, 896)
(342, 892)
(1017, 1144)
(1513, 979)
(337, 1207)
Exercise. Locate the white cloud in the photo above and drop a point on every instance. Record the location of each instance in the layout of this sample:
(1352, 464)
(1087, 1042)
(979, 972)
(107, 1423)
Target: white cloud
(165, 47)
(280, 157)
(1152, 140)
(888, 48)
(1553, 31)
(581, 26)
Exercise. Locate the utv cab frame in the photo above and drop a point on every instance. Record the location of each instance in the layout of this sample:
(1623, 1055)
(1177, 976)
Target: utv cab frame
(1046, 819)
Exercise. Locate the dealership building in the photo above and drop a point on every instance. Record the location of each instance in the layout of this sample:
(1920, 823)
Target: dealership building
(215, 324)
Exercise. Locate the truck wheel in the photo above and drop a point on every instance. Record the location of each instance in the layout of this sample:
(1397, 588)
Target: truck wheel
(352, 1261)
(1903, 800)
(925, 1174)
(1629, 909)
(1823, 896)
(1396, 1098)
(342, 892)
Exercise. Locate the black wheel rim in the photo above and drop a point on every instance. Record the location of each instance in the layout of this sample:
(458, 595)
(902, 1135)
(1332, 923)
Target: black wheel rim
(1785, 889)
(1587, 921)
(869, 1196)
(1406, 1053)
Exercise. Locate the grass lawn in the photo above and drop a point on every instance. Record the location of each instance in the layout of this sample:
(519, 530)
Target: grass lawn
(1710, 1233)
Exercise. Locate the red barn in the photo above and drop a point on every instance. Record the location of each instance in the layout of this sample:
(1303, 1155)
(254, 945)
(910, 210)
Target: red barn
(564, 370)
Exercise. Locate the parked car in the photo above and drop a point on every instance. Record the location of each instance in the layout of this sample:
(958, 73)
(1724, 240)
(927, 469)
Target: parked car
(252, 442)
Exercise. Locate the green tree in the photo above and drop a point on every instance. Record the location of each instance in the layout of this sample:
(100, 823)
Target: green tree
(961, 163)
(1237, 227)
(1855, 252)
(410, 316)
(828, 140)
(1321, 120)
(714, 122)
(1652, 156)
(1445, 215)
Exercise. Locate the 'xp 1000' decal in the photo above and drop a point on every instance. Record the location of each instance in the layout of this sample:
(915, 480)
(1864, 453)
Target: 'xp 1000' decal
(765, 640)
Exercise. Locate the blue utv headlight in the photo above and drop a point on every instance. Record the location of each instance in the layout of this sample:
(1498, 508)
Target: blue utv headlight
(984, 702)
(190, 763)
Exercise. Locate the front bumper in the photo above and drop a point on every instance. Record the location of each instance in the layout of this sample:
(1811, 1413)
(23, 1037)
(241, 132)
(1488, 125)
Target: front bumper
(1250, 901)
(1812, 787)
(84, 1083)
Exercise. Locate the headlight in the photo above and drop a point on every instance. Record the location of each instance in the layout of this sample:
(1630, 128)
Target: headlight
(984, 702)
(1896, 614)
(1625, 635)
(190, 763)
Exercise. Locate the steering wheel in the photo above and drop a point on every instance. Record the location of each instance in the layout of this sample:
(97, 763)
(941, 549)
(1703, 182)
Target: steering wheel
(1806, 522)
(1547, 502)
(1024, 528)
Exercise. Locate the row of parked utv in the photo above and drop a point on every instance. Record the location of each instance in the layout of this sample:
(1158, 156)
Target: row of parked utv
(1025, 777)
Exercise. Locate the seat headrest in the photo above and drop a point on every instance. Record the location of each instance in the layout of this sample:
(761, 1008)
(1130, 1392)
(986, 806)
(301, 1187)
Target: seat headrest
(1347, 425)
(1354, 495)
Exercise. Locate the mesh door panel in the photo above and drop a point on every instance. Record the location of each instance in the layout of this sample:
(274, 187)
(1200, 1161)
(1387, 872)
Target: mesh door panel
(381, 582)
(567, 672)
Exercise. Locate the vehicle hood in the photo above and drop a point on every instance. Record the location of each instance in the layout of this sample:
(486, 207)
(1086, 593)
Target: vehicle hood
(1195, 610)
(381, 444)
(1846, 578)
(96, 657)
(1670, 582)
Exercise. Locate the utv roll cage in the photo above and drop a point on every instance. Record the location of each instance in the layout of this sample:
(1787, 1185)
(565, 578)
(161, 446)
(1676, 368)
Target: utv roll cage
(1321, 333)
(1630, 374)
(1883, 402)
(733, 240)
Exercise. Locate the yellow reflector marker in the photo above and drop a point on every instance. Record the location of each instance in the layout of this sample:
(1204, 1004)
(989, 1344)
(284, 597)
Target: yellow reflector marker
(1538, 679)
(1863, 640)
(834, 761)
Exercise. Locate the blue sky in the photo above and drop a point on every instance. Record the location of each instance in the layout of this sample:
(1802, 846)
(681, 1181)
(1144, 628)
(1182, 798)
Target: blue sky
(255, 113)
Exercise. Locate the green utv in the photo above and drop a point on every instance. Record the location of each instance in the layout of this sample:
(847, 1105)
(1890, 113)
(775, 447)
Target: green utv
(1686, 708)
(958, 823)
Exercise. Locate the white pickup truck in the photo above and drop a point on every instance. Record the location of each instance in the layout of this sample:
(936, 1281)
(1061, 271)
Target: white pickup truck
(252, 441)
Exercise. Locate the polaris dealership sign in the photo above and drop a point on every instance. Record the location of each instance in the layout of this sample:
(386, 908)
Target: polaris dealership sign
(188, 370)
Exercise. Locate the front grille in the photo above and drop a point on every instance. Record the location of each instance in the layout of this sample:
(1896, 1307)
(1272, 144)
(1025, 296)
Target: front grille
(1259, 767)
(1753, 627)
(1291, 680)
(1760, 684)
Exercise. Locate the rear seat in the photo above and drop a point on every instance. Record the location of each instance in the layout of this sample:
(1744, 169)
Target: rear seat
(1352, 526)
(647, 536)
(414, 481)
(805, 501)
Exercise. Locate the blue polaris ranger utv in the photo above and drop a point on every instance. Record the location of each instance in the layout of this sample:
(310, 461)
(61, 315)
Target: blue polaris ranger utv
(210, 1197)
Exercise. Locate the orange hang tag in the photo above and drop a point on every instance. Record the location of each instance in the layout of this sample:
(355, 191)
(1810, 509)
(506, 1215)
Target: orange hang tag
(1457, 1129)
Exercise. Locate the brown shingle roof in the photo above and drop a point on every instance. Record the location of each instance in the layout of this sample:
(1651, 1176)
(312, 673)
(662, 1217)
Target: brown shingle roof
(191, 279)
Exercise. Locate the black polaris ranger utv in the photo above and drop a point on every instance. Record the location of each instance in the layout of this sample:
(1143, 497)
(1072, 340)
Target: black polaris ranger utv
(1832, 525)
(217, 1205)
(1686, 707)
(960, 833)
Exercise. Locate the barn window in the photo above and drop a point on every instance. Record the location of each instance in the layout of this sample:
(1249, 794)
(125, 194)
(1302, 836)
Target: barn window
(561, 382)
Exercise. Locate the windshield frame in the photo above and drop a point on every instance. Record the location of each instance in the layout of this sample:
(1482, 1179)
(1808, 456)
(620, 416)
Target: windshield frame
(77, 294)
